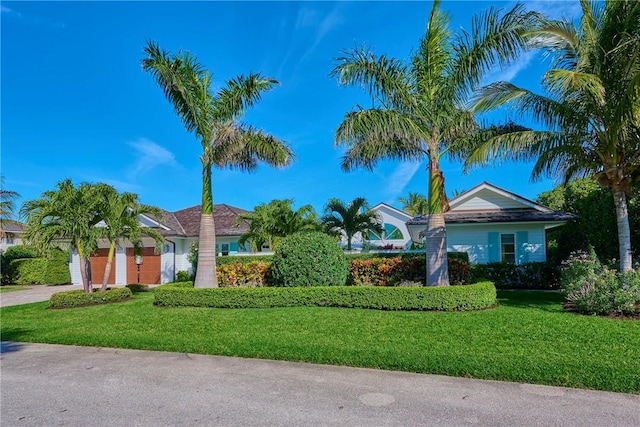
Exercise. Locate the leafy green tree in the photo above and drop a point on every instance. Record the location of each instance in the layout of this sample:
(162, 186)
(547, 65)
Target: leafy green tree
(214, 120)
(65, 217)
(414, 204)
(590, 107)
(7, 207)
(595, 224)
(419, 108)
(119, 213)
(270, 222)
(354, 217)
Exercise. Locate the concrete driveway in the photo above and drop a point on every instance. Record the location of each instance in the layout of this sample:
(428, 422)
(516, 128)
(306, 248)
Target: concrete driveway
(45, 385)
(37, 293)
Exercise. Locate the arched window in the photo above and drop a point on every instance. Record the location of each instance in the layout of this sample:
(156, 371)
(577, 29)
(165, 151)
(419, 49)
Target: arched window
(391, 232)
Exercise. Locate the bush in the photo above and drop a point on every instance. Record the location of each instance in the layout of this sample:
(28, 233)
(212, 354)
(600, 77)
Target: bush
(390, 271)
(241, 259)
(185, 284)
(183, 276)
(250, 275)
(41, 271)
(80, 298)
(441, 298)
(137, 287)
(9, 273)
(533, 275)
(592, 288)
(308, 259)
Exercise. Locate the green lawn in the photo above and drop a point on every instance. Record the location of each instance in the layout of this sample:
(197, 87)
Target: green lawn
(528, 338)
(11, 288)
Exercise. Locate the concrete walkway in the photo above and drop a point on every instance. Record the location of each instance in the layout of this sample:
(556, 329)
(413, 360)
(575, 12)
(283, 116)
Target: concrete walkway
(35, 294)
(43, 385)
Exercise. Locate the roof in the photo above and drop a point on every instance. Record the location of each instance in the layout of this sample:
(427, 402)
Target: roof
(499, 216)
(186, 222)
(11, 227)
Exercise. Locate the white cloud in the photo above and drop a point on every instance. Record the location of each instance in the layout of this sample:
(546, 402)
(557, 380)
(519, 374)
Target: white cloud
(401, 177)
(558, 9)
(149, 156)
(512, 71)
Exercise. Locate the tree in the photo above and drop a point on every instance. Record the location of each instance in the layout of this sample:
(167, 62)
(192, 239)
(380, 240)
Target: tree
(119, 212)
(590, 107)
(414, 204)
(354, 217)
(214, 120)
(418, 107)
(595, 223)
(271, 222)
(65, 217)
(7, 207)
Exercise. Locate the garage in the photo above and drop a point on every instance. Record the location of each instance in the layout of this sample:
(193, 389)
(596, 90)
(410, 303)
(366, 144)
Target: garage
(149, 269)
(98, 264)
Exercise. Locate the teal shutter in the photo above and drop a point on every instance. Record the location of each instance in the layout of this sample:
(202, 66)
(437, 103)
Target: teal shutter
(233, 247)
(522, 243)
(494, 246)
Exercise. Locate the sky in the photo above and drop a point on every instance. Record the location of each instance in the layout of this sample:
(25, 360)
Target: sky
(76, 104)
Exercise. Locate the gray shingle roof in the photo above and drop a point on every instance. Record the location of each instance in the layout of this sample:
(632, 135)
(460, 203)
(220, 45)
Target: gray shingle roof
(504, 215)
(186, 222)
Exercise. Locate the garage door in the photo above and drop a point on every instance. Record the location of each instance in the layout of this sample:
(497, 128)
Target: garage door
(98, 264)
(149, 270)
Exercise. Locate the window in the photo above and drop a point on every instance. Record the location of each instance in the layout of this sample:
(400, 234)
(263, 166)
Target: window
(508, 248)
(391, 232)
(8, 239)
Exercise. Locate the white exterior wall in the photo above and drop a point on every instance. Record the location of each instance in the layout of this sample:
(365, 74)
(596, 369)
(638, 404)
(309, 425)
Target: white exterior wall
(8, 241)
(486, 199)
(121, 266)
(167, 264)
(74, 269)
(474, 239)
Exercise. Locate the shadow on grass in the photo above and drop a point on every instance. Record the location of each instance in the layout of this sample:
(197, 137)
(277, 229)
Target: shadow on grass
(542, 300)
(8, 339)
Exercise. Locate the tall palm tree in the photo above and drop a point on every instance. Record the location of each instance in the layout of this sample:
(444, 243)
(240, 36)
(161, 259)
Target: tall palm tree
(65, 217)
(418, 107)
(214, 119)
(354, 217)
(415, 204)
(590, 108)
(119, 213)
(7, 207)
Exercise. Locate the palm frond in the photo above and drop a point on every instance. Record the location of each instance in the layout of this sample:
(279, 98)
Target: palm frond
(239, 94)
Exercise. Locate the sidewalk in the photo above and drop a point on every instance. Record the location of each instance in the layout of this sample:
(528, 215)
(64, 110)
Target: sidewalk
(37, 293)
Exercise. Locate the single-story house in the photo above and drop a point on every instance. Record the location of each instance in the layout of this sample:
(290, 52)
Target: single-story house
(180, 229)
(487, 222)
(10, 234)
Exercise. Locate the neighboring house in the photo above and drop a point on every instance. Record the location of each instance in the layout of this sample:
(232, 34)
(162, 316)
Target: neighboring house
(11, 235)
(492, 225)
(180, 229)
(394, 236)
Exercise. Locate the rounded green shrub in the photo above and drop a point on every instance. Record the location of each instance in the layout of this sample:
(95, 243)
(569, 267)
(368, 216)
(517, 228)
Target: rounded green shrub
(309, 259)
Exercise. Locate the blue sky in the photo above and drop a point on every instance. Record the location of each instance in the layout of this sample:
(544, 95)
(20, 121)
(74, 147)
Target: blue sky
(76, 104)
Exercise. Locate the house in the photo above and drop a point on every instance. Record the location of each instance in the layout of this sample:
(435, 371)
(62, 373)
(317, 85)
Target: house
(10, 235)
(492, 225)
(180, 229)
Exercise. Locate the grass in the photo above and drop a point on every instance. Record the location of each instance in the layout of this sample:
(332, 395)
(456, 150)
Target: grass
(11, 288)
(528, 338)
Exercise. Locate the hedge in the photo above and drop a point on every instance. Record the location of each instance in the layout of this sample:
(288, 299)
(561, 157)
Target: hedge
(41, 271)
(245, 259)
(80, 298)
(252, 274)
(533, 275)
(441, 298)
(137, 287)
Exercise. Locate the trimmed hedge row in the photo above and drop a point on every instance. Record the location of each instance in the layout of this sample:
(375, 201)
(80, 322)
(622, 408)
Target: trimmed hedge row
(80, 298)
(137, 287)
(445, 298)
(533, 275)
(245, 259)
(40, 271)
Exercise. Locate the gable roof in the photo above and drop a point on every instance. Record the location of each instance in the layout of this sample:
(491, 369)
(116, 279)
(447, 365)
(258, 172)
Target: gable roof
(485, 195)
(11, 227)
(186, 222)
(392, 209)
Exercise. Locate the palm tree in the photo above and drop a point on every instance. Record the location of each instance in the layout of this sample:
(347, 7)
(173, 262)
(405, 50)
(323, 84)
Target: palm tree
(354, 217)
(214, 119)
(415, 204)
(591, 107)
(7, 207)
(119, 212)
(418, 107)
(271, 222)
(67, 218)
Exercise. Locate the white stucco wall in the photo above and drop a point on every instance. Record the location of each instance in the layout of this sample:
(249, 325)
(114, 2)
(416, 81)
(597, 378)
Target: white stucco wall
(474, 239)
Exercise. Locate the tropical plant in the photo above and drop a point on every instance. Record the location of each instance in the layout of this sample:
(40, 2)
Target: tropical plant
(418, 107)
(119, 213)
(214, 119)
(414, 204)
(65, 217)
(271, 222)
(354, 217)
(7, 207)
(590, 107)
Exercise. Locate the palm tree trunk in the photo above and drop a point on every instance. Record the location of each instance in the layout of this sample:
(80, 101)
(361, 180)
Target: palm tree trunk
(436, 235)
(83, 269)
(624, 232)
(206, 276)
(107, 268)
